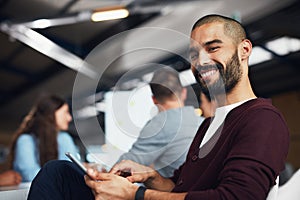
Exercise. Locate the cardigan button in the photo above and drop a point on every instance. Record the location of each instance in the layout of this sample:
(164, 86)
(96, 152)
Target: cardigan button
(194, 158)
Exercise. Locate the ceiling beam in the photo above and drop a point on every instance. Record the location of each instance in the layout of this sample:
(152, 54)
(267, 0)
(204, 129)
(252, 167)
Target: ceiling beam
(47, 47)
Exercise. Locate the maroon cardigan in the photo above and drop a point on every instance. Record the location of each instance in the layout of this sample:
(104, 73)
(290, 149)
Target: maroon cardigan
(241, 161)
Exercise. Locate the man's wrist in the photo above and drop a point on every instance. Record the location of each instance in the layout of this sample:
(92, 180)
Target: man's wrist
(140, 193)
(152, 179)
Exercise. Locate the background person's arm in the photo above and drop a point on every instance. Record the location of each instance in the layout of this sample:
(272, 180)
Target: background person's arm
(148, 146)
(9, 178)
(26, 158)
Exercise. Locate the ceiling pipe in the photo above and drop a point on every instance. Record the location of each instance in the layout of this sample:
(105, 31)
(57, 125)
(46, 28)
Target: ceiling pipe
(45, 46)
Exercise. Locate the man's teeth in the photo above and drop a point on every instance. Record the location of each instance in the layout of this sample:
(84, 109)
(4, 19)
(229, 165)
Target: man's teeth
(208, 73)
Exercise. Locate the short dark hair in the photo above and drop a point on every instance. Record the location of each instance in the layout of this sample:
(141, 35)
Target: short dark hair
(165, 84)
(232, 28)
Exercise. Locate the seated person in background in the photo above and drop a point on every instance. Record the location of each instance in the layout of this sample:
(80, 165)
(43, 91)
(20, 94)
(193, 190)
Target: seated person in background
(10, 178)
(237, 155)
(164, 140)
(207, 106)
(41, 137)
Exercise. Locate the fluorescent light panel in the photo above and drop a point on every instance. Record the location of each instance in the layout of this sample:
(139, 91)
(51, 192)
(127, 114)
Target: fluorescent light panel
(281, 46)
(109, 14)
(284, 45)
(259, 55)
(187, 77)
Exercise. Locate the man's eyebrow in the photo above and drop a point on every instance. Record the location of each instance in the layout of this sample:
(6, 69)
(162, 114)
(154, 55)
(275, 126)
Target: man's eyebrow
(212, 42)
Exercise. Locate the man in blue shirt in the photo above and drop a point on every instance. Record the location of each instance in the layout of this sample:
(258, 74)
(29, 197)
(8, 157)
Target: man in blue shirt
(164, 140)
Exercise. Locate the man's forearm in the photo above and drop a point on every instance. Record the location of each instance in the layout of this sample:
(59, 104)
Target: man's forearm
(157, 182)
(159, 195)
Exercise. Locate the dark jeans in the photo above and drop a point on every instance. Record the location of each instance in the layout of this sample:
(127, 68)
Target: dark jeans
(59, 180)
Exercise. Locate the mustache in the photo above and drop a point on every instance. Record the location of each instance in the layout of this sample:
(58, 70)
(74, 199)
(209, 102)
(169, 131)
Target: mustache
(203, 68)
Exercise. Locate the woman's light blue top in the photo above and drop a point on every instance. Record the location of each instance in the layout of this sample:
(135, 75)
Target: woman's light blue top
(26, 160)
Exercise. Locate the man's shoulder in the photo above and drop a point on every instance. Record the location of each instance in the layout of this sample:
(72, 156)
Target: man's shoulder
(259, 104)
(258, 111)
(255, 109)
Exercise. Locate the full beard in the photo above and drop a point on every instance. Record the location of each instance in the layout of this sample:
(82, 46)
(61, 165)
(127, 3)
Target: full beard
(227, 80)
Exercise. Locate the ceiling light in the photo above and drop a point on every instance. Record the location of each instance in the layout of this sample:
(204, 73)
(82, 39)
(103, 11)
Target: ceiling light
(41, 23)
(284, 45)
(147, 77)
(259, 55)
(86, 112)
(187, 78)
(109, 14)
(45, 23)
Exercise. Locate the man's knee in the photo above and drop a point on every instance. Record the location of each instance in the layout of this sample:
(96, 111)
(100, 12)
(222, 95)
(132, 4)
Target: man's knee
(56, 167)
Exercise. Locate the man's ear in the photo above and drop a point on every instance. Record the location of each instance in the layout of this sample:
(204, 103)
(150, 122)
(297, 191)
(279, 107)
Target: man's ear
(154, 100)
(246, 48)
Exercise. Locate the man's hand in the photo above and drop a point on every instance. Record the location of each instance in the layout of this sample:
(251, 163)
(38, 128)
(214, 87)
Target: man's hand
(139, 173)
(95, 166)
(109, 186)
(143, 174)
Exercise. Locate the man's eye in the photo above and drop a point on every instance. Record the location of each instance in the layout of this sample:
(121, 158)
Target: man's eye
(193, 56)
(212, 49)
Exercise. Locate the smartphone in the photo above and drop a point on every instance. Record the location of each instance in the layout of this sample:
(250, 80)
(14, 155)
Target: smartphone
(83, 168)
(76, 161)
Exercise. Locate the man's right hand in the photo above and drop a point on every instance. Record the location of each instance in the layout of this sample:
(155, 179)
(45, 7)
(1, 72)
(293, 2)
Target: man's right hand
(139, 173)
(143, 174)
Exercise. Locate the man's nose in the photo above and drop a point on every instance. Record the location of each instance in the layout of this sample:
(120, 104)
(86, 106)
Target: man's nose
(204, 58)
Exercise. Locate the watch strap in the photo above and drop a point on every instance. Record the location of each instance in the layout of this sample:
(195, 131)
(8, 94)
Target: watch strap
(139, 195)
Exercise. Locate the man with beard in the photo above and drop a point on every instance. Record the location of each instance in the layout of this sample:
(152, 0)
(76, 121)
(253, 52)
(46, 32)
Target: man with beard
(236, 155)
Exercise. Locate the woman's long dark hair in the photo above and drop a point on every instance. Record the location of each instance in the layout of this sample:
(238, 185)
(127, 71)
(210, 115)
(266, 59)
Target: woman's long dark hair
(40, 123)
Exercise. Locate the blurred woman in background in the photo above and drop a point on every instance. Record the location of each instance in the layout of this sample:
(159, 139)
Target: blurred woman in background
(41, 137)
